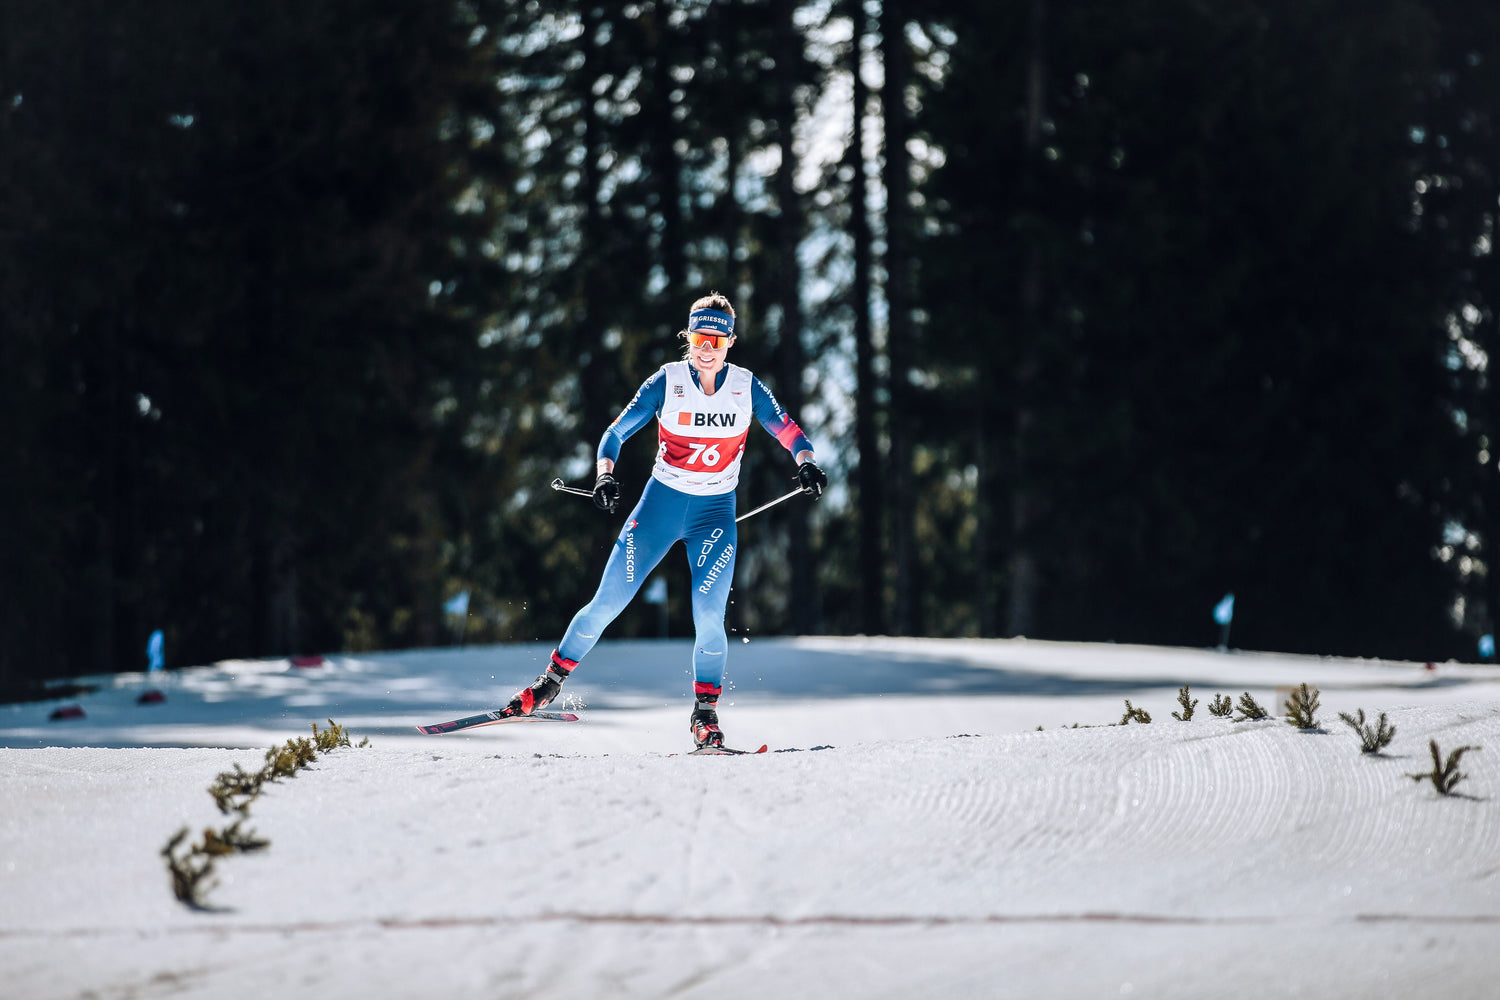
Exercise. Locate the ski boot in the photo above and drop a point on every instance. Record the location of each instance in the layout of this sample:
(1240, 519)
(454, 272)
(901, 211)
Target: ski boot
(543, 689)
(705, 721)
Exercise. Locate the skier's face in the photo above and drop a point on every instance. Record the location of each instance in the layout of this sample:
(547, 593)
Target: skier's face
(707, 353)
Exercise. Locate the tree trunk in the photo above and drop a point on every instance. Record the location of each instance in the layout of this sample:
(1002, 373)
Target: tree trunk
(897, 176)
(866, 437)
(594, 379)
(664, 164)
(1024, 582)
(790, 356)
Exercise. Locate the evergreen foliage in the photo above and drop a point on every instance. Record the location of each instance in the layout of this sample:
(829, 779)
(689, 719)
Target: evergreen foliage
(1133, 714)
(233, 791)
(1250, 709)
(1221, 707)
(1188, 703)
(1301, 707)
(1372, 738)
(191, 871)
(191, 868)
(1445, 774)
(459, 234)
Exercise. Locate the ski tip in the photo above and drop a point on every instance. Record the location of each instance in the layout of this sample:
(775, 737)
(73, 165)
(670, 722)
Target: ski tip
(712, 751)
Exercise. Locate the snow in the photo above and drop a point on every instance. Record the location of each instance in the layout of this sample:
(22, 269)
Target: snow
(917, 836)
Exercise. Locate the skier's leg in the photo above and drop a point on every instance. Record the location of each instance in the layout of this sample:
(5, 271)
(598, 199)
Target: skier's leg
(649, 531)
(712, 540)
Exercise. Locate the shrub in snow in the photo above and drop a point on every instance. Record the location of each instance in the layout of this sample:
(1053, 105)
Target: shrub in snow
(191, 872)
(233, 791)
(1372, 738)
(1221, 707)
(286, 761)
(1301, 706)
(1187, 702)
(1444, 775)
(1250, 709)
(1133, 714)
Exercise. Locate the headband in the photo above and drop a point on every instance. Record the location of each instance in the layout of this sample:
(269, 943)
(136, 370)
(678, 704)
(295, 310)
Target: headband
(711, 321)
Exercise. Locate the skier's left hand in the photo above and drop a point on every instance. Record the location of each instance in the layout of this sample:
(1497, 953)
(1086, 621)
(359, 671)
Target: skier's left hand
(811, 479)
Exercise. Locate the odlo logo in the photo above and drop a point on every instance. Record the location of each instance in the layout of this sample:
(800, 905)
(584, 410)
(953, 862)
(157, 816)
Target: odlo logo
(708, 545)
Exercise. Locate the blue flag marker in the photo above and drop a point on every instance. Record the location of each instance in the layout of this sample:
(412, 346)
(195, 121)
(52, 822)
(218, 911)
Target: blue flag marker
(458, 604)
(1224, 610)
(155, 650)
(1487, 647)
(1224, 614)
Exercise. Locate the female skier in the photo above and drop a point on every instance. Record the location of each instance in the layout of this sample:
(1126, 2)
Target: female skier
(703, 407)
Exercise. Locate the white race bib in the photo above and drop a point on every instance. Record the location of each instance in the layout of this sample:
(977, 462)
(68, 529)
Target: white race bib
(701, 438)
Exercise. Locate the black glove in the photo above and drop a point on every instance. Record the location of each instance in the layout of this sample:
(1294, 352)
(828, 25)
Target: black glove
(606, 493)
(812, 480)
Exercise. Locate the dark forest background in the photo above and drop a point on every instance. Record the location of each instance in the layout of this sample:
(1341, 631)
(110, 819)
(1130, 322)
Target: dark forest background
(1096, 311)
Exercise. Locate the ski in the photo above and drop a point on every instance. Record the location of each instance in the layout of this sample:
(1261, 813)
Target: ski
(711, 751)
(494, 718)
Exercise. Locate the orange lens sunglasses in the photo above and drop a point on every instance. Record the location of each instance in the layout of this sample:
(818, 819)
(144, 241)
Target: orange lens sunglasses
(712, 341)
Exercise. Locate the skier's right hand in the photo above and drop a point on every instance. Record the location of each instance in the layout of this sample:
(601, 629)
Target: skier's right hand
(606, 493)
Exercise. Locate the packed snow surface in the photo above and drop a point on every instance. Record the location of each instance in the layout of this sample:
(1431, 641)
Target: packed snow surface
(912, 834)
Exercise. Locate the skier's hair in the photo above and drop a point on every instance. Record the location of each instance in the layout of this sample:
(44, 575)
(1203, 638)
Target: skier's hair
(713, 300)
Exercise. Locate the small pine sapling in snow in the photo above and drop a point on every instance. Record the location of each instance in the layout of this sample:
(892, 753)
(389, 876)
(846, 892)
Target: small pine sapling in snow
(232, 839)
(1185, 699)
(285, 761)
(1301, 706)
(1221, 707)
(233, 791)
(334, 737)
(1250, 709)
(1372, 738)
(1444, 775)
(1133, 714)
(191, 872)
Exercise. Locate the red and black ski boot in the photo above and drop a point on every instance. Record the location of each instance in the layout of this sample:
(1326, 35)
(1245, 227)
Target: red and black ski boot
(705, 722)
(543, 689)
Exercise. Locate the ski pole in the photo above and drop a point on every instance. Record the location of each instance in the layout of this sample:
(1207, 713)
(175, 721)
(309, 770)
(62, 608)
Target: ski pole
(561, 487)
(766, 505)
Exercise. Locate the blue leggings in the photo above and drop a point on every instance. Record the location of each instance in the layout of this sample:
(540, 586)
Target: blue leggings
(663, 516)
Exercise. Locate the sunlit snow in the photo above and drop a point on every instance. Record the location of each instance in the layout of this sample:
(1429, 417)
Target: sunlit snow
(915, 836)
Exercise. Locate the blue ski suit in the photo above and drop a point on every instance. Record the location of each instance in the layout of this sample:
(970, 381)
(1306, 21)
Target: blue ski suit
(690, 497)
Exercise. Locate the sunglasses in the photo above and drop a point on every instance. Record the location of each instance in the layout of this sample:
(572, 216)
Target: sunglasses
(712, 341)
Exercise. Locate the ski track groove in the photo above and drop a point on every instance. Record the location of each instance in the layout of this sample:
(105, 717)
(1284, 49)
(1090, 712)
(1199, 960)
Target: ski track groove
(1258, 791)
(221, 929)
